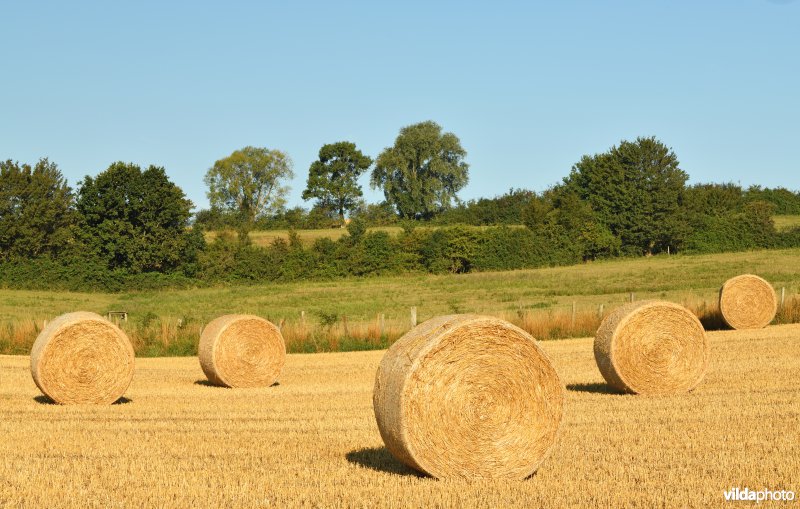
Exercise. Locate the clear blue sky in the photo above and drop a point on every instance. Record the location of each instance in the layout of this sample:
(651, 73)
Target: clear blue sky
(528, 86)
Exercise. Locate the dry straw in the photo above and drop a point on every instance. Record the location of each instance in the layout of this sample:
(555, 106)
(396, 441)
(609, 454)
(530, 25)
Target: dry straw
(82, 358)
(466, 396)
(747, 302)
(242, 351)
(652, 347)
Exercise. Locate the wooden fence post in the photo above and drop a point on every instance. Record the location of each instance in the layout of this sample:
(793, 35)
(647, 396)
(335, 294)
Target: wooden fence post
(631, 296)
(783, 296)
(574, 312)
(381, 324)
(600, 312)
(413, 316)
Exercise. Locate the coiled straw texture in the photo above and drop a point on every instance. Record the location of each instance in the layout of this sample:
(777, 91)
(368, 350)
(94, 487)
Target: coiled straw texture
(242, 351)
(652, 347)
(747, 302)
(466, 396)
(82, 358)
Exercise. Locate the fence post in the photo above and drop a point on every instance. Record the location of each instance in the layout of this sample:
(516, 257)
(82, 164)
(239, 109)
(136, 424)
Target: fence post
(381, 324)
(413, 316)
(303, 319)
(631, 296)
(600, 312)
(783, 296)
(344, 324)
(574, 312)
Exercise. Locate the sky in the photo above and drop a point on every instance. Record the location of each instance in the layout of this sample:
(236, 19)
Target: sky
(528, 87)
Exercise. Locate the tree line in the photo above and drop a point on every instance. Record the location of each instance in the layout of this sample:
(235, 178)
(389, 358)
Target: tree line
(132, 227)
(419, 175)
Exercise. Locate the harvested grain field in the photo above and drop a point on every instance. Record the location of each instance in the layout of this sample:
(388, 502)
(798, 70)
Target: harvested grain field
(312, 440)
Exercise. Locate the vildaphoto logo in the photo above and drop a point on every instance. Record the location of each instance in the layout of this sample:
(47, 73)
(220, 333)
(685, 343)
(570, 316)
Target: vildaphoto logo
(748, 495)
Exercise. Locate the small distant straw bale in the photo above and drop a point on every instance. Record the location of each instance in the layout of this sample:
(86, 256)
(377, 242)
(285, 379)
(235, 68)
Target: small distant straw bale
(466, 396)
(242, 351)
(652, 347)
(82, 358)
(747, 302)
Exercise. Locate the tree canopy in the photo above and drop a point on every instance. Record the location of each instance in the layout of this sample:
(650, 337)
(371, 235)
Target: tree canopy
(250, 182)
(421, 174)
(134, 219)
(36, 209)
(333, 178)
(635, 189)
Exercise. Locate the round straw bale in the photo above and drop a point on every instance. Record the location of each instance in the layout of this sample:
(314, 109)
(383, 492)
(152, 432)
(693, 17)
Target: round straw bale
(652, 347)
(82, 358)
(242, 351)
(466, 396)
(747, 302)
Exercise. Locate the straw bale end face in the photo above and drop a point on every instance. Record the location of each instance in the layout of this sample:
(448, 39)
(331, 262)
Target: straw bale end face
(242, 351)
(466, 396)
(81, 358)
(652, 347)
(747, 302)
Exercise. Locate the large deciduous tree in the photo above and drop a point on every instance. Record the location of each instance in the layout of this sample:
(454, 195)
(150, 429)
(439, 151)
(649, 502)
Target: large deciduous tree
(421, 174)
(249, 182)
(636, 190)
(36, 209)
(135, 220)
(333, 178)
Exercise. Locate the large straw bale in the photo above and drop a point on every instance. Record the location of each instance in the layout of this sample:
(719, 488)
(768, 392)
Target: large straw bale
(652, 347)
(466, 396)
(242, 351)
(747, 302)
(82, 358)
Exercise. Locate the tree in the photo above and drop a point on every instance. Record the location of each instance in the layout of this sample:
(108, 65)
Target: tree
(249, 183)
(758, 223)
(713, 199)
(135, 220)
(561, 217)
(537, 213)
(579, 222)
(36, 209)
(421, 174)
(333, 178)
(213, 219)
(785, 201)
(636, 190)
(356, 230)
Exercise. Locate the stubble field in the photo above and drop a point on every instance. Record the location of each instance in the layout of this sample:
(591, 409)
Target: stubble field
(312, 441)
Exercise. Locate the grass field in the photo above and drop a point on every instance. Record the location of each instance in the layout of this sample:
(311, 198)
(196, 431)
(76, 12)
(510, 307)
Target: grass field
(541, 298)
(312, 441)
(783, 223)
(265, 237)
